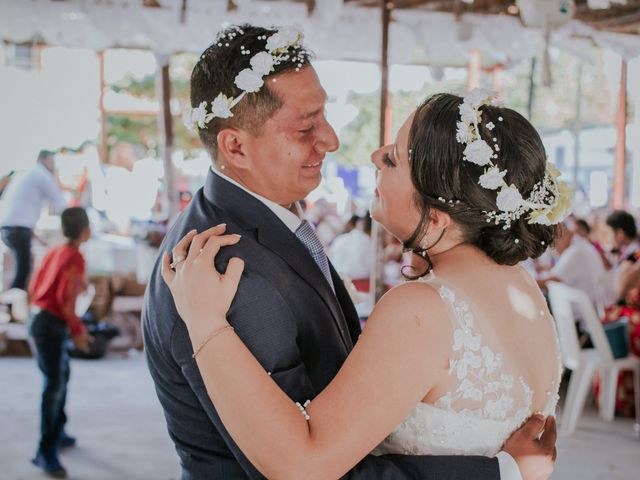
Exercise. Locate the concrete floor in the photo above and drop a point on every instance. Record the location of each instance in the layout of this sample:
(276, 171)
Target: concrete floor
(121, 433)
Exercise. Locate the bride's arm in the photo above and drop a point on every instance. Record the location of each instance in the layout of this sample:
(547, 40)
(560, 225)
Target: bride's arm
(400, 354)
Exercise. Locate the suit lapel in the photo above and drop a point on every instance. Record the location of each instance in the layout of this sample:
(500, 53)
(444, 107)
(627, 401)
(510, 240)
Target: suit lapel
(290, 249)
(274, 235)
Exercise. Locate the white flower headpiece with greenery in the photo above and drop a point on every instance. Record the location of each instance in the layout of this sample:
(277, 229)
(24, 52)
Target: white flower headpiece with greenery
(550, 200)
(250, 80)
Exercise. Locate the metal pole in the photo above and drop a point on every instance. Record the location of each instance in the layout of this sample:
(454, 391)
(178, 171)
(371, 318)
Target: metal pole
(577, 126)
(103, 114)
(621, 148)
(532, 89)
(377, 237)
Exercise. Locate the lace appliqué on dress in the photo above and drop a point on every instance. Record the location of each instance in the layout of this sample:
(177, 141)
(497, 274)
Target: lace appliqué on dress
(478, 370)
(480, 412)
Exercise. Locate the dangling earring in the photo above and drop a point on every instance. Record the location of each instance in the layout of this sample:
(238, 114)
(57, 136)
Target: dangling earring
(222, 167)
(423, 253)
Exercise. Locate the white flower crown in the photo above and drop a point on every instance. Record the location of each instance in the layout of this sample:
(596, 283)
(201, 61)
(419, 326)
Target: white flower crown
(250, 80)
(550, 200)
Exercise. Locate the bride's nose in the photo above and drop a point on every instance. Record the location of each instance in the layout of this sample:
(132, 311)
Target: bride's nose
(376, 157)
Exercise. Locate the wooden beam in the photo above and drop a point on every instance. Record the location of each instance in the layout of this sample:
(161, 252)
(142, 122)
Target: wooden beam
(618, 21)
(473, 70)
(621, 147)
(377, 285)
(385, 110)
(165, 128)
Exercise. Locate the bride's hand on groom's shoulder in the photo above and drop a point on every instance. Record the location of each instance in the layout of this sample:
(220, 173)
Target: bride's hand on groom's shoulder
(533, 447)
(201, 294)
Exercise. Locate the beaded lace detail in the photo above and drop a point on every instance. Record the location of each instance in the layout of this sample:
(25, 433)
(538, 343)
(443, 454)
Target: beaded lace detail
(483, 408)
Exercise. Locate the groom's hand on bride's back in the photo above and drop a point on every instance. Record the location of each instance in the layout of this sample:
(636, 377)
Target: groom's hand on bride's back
(535, 454)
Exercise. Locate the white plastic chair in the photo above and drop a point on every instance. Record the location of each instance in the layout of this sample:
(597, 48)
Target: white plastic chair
(584, 362)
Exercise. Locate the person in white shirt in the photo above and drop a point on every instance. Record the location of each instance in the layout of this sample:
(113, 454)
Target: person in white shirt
(579, 266)
(23, 201)
(351, 252)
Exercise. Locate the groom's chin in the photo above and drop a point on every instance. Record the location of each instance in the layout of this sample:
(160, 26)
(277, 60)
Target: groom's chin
(311, 181)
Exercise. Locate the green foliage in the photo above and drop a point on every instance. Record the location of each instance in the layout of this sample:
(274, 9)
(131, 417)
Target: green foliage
(554, 107)
(143, 129)
(361, 137)
(139, 130)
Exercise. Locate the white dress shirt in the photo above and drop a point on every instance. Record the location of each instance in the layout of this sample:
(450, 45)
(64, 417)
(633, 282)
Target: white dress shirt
(580, 267)
(351, 254)
(288, 217)
(27, 195)
(508, 467)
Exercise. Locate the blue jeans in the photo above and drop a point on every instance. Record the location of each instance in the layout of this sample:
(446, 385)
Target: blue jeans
(50, 335)
(18, 239)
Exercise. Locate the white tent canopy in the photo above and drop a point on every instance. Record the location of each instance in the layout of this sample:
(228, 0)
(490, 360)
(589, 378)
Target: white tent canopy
(336, 31)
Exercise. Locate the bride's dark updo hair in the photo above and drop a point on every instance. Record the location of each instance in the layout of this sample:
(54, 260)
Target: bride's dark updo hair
(439, 173)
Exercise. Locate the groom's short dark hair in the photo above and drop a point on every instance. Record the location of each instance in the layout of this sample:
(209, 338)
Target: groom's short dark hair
(216, 71)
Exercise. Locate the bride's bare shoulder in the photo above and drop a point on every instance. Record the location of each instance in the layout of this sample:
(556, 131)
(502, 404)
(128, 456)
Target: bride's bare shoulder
(414, 303)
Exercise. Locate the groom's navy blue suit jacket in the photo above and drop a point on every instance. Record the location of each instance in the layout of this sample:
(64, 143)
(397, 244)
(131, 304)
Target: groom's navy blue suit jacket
(288, 316)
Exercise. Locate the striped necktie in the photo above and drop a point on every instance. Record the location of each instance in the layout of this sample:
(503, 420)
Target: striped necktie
(309, 239)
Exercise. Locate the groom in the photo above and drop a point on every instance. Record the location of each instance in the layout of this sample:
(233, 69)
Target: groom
(291, 310)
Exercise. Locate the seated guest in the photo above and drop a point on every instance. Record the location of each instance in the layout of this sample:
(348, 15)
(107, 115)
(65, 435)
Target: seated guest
(583, 229)
(351, 252)
(578, 265)
(625, 234)
(628, 306)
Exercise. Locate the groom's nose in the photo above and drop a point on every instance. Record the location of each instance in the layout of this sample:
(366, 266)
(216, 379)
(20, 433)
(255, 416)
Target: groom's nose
(327, 139)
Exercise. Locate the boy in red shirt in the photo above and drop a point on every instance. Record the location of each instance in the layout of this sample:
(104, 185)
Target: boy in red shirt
(54, 290)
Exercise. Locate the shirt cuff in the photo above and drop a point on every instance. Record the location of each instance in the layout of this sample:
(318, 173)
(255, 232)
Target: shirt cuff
(508, 467)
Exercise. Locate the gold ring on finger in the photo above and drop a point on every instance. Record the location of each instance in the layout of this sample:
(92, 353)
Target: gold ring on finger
(176, 261)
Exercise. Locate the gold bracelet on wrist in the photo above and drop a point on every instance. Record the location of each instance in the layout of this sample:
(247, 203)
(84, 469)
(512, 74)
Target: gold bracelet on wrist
(213, 334)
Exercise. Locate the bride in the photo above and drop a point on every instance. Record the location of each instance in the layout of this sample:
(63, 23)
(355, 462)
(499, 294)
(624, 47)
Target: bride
(452, 362)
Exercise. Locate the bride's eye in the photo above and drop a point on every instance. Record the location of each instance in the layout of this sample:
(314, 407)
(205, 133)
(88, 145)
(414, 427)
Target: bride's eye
(386, 158)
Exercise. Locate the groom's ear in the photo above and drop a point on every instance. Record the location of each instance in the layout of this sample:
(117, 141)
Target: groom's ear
(232, 147)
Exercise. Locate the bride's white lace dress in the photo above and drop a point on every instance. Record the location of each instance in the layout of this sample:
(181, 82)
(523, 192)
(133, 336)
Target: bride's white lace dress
(487, 403)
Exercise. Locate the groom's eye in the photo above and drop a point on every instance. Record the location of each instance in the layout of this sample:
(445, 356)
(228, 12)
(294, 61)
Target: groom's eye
(307, 130)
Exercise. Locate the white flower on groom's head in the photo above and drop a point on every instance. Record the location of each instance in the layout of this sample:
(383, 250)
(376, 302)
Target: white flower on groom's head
(262, 63)
(221, 106)
(492, 178)
(478, 152)
(249, 81)
(509, 199)
(197, 117)
(283, 38)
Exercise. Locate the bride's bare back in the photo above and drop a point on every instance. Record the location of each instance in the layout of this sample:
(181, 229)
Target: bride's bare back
(503, 364)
